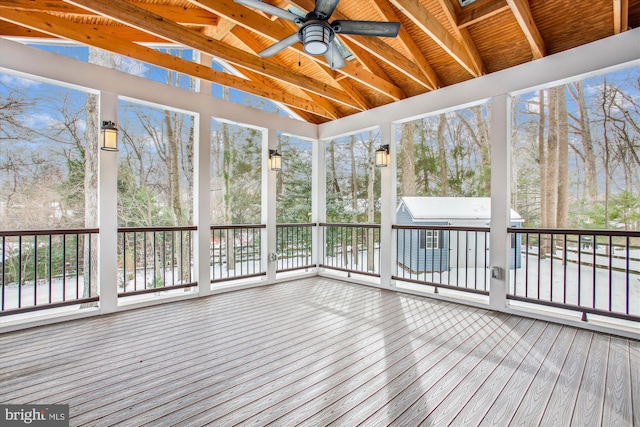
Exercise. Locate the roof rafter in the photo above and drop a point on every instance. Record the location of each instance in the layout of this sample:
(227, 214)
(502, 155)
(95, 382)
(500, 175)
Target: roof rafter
(134, 16)
(181, 15)
(432, 27)
(620, 16)
(91, 36)
(479, 11)
(389, 14)
(247, 38)
(522, 12)
(277, 30)
(377, 48)
(462, 34)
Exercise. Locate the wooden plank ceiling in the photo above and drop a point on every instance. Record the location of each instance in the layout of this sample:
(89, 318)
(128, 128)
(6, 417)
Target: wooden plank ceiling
(440, 42)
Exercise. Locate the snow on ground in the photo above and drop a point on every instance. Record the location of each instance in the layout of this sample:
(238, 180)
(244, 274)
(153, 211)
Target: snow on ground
(568, 283)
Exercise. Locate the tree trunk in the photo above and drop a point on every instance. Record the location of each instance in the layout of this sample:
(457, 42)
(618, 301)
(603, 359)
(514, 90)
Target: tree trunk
(354, 200)
(542, 160)
(226, 177)
(335, 186)
(174, 174)
(515, 201)
(551, 193)
(371, 179)
(442, 155)
(483, 142)
(607, 152)
(407, 160)
(562, 218)
(587, 143)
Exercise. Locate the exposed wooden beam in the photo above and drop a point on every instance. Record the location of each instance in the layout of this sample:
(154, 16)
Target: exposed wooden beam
(480, 10)
(59, 27)
(246, 37)
(181, 15)
(392, 58)
(462, 34)
(366, 60)
(136, 17)
(620, 16)
(223, 28)
(278, 30)
(46, 6)
(8, 29)
(385, 9)
(376, 47)
(428, 23)
(522, 12)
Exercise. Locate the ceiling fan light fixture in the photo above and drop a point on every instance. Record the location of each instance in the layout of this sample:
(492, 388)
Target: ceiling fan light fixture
(316, 38)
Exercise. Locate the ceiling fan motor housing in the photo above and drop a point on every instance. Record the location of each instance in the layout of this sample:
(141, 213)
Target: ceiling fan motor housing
(316, 37)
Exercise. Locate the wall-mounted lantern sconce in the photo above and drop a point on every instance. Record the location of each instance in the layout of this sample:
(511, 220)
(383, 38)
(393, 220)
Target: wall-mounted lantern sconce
(382, 156)
(108, 136)
(276, 160)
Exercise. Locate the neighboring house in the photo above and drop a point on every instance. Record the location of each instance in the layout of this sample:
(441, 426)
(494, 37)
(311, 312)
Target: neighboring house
(443, 250)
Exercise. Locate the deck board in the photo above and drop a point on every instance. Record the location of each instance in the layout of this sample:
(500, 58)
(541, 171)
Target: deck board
(318, 351)
(588, 406)
(617, 398)
(476, 408)
(569, 364)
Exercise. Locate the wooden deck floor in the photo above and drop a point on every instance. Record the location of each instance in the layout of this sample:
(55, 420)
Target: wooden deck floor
(321, 352)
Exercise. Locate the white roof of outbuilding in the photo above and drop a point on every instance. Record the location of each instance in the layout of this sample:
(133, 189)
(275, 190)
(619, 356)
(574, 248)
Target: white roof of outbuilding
(445, 208)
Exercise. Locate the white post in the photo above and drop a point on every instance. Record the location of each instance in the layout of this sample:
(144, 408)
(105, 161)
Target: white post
(269, 204)
(108, 213)
(202, 194)
(500, 199)
(388, 176)
(318, 199)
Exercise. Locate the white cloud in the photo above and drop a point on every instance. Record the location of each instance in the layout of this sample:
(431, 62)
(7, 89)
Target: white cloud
(130, 66)
(17, 81)
(39, 121)
(532, 104)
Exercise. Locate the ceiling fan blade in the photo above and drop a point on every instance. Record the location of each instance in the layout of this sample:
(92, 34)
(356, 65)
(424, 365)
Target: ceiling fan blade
(367, 28)
(271, 10)
(282, 44)
(325, 8)
(334, 57)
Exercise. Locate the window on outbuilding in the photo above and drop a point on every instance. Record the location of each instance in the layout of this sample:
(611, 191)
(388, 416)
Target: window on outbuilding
(430, 239)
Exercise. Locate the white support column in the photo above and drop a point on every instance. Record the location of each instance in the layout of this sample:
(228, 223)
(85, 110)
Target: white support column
(108, 213)
(318, 199)
(202, 194)
(500, 198)
(269, 204)
(387, 206)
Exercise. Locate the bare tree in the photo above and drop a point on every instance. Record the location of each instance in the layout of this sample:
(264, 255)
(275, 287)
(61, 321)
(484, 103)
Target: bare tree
(562, 218)
(371, 179)
(442, 155)
(583, 128)
(354, 200)
(408, 159)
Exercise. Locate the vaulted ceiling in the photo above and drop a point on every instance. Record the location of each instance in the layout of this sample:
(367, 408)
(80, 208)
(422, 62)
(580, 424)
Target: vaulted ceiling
(440, 43)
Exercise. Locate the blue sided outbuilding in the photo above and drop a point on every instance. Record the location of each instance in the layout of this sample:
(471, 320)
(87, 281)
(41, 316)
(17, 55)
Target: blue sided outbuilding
(425, 250)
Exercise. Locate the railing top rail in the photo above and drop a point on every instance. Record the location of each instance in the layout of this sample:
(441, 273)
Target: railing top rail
(575, 231)
(158, 228)
(8, 233)
(236, 226)
(439, 227)
(346, 225)
(302, 224)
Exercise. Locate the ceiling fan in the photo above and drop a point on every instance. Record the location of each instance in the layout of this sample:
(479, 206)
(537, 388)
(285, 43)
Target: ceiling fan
(317, 35)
